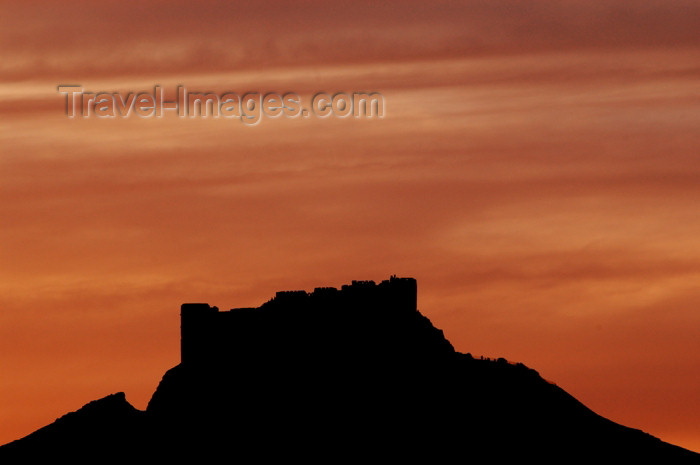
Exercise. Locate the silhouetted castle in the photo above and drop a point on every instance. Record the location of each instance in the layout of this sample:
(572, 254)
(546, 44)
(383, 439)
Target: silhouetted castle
(207, 333)
(356, 372)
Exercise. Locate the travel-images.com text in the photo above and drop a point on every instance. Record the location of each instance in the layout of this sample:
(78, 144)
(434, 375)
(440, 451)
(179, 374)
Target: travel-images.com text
(250, 107)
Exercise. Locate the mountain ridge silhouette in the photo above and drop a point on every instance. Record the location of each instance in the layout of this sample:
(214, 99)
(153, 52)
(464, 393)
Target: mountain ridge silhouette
(340, 374)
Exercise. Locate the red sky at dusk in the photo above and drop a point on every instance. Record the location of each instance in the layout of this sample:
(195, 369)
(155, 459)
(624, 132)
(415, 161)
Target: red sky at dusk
(537, 171)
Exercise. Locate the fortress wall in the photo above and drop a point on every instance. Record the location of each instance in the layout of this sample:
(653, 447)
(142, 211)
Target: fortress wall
(207, 333)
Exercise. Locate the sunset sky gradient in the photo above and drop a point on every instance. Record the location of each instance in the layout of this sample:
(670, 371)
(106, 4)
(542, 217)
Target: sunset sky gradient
(537, 171)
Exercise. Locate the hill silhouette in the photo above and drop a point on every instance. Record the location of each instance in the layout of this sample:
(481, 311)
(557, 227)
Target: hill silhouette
(356, 373)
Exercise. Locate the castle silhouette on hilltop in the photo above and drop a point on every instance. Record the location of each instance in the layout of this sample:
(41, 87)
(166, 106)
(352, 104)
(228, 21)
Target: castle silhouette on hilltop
(356, 371)
(208, 334)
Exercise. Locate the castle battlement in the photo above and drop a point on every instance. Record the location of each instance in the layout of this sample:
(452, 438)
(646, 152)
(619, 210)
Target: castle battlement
(207, 332)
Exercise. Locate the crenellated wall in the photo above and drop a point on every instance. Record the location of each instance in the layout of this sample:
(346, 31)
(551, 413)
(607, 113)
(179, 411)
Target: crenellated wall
(207, 333)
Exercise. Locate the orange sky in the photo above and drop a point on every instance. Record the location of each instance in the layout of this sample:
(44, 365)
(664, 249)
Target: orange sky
(537, 171)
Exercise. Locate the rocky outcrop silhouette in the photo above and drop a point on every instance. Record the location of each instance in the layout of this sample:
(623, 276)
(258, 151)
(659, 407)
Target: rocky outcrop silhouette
(100, 427)
(356, 373)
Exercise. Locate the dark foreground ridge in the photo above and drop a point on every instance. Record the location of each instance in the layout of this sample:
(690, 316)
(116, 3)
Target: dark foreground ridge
(353, 373)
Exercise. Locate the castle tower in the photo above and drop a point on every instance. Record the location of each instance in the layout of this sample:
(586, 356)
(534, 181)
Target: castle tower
(196, 322)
